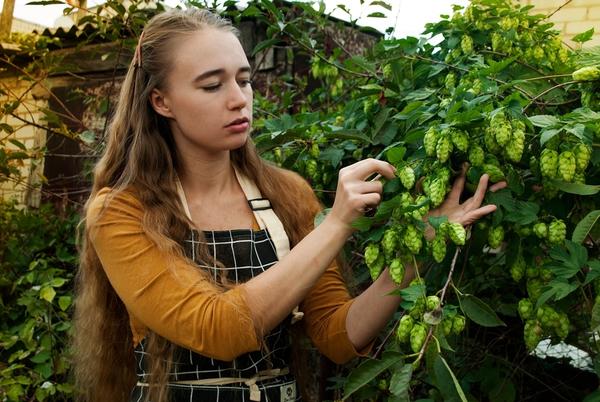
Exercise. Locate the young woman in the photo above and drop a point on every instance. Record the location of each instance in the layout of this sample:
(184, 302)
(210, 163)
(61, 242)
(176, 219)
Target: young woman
(187, 281)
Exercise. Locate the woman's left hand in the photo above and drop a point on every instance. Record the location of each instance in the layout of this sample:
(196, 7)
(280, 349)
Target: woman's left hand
(471, 210)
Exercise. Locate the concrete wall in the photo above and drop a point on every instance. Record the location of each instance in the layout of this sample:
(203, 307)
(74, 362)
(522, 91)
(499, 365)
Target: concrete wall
(575, 17)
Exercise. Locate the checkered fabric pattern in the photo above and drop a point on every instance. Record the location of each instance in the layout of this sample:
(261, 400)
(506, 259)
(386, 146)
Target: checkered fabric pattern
(244, 254)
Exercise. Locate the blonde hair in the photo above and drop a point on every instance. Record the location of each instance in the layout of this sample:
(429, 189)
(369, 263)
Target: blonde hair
(140, 156)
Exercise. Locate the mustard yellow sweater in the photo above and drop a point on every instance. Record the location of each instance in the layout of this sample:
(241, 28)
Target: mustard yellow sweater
(166, 294)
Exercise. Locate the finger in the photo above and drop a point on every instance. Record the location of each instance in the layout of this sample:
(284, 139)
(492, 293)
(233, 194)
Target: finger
(477, 198)
(365, 187)
(367, 167)
(478, 213)
(370, 200)
(498, 186)
(459, 185)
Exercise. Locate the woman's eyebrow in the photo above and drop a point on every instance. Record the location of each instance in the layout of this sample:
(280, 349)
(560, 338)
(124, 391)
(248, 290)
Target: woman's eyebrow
(219, 71)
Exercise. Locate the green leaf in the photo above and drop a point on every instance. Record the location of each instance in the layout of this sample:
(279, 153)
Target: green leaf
(584, 36)
(544, 120)
(18, 144)
(447, 381)
(395, 155)
(41, 357)
(436, 221)
(381, 4)
(47, 293)
(594, 271)
(363, 223)
(584, 226)
(479, 312)
(332, 155)
(558, 289)
(576, 188)
(65, 301)
(265, 44)
(349, 134)
(400, 380)
(547, 135)
(376, 15)
(595, 325)
(369, 370)
(88, 136)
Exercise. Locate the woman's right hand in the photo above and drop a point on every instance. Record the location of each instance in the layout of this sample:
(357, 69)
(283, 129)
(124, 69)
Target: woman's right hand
(355, 194)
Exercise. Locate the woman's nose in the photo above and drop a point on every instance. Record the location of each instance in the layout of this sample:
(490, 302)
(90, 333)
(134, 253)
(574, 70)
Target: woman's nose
(237, 97)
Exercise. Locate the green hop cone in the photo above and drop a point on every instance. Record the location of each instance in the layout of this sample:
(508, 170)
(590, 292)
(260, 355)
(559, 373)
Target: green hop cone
(532, 271)
(526, 309)
(404, 327)
(371, 254)
(312, 168)
(437, 192)
(458, 324)
(389, 243)
(460, 139)
(476, 155)
(502, 134)
(541, 230)
(549, 163)
(548, 317)
(438, 248)
(590, 73)
(457, 233)
(557, 231)
(534, 288)
(430, 141)
(466, 44)
(495, 173)
(517, 269)
(450, 81)
(495, 236)
(579, 178)
(418, 214)
(447, 326)
(418, 308)
(443, 149)
(489, 138)
(567, 166)
(417, 337)
(412, 239)
(514, 149)
(314, 150)
(532, 334)
(376, 268)
(407, 177)
(583, 153)
(562, 329)
(397, 271)
(387, 71)
(432, 303)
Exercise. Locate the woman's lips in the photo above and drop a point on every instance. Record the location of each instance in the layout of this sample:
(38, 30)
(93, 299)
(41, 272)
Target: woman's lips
(238, 127)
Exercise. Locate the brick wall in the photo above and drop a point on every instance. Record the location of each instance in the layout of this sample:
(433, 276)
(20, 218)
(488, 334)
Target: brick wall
(575, 17)
(26, 189)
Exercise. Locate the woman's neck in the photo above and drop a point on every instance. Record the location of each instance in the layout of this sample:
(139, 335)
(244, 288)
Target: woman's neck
(207, 177)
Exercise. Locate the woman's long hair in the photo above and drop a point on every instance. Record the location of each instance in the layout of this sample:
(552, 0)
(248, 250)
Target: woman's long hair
(140, 156)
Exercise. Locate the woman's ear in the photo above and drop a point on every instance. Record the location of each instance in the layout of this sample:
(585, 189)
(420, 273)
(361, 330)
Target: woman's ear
(160, 103)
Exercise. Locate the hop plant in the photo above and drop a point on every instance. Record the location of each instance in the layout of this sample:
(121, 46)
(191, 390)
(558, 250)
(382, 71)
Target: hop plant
(590, 73)
(494, 172)
(404, 328)
(526, 309)
(532, 334)
(447, 326)
(437, 191)
(430, 141)
(583, 153)
(450, 81)
(432, 303)
(456, 232)
(541, 230)
(407, 177)
(374, 260)
(514, 149)
(412, 239)
(557, 231)
(495, 236)
(458, 324)
(417, 337)
(567, 166)
(549, 163)
(443, 149)
(397, 271)
(390, 242)
(517, 269)
(476, 155)
(466, 44)
(438, 248)
(460, 140)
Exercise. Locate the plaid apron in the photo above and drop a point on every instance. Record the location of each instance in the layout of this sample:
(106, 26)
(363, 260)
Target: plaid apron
(244, 253)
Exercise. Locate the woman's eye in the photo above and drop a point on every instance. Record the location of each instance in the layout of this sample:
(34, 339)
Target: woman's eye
(246, 83)
(211, 88)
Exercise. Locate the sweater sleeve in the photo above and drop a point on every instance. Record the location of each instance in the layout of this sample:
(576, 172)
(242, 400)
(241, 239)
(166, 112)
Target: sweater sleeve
(326, 305)
(164, 292)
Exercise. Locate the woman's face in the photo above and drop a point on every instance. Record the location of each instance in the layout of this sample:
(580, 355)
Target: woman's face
(207, 96)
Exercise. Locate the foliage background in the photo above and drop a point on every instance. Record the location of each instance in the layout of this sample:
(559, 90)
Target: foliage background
(494, 60)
